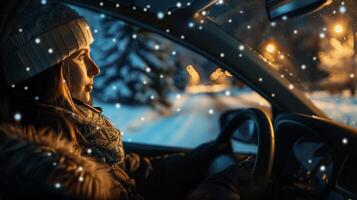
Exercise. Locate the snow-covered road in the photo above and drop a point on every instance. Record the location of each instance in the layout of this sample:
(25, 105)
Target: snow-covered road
(194, 117)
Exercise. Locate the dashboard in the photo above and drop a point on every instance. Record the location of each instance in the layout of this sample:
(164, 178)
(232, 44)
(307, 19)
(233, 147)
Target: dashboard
(315, 158)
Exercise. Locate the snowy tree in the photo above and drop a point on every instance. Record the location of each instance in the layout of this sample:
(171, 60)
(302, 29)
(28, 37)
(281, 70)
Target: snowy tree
(338, 51)
(138, 67)
(338, 58)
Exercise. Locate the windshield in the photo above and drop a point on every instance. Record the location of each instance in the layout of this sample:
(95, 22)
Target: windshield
(316, 52)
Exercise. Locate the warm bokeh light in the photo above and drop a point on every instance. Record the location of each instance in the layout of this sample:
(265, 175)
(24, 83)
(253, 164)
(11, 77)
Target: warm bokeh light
(270, 48)
(194, 77)
(338, 28)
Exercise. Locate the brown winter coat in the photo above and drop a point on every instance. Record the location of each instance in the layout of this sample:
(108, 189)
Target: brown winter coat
(43, 164)
(37, 161)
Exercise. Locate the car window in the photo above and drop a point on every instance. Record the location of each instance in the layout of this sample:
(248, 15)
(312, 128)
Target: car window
(316, 53)
(158, 92)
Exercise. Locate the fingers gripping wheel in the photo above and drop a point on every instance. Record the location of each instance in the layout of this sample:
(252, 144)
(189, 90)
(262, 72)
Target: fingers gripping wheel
(266, 146)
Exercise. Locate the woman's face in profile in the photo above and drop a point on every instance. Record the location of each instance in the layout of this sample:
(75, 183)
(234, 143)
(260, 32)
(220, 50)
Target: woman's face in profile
(80, 70)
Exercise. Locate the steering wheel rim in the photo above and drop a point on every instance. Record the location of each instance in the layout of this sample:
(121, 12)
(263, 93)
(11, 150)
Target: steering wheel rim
(263, 165)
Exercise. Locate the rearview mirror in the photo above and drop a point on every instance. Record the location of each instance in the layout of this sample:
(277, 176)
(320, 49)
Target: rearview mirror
(290, 8)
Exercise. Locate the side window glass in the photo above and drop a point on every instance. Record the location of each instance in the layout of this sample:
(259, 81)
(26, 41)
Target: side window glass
(159, 92)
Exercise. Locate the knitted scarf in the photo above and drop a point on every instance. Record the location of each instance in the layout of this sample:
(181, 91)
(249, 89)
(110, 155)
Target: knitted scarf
(100, 138)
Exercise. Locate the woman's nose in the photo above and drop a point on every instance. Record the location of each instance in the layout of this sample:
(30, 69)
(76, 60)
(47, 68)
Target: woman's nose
(93, 69)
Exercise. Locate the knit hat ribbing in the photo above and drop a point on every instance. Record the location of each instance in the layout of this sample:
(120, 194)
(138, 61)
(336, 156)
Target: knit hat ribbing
(43, 36)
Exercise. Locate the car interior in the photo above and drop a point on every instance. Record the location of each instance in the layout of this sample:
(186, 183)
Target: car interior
(301, 153)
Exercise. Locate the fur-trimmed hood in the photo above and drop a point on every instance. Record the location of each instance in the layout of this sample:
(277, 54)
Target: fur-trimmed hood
(34, 163)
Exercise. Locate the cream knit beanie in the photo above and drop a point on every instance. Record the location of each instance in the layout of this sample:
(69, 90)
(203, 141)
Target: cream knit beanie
(43, 35)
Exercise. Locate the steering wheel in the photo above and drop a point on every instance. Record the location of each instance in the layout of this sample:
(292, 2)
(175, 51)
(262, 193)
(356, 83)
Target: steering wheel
(261, 172)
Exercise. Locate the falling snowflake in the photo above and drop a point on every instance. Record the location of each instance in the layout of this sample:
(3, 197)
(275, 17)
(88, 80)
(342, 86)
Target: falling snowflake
(210, 111)
(57, 185)
(160, 15)
(344, 141)
(89, 151)
(322, 168)
(17, 116)
(342, 9)
(291, 86)
(322, 35)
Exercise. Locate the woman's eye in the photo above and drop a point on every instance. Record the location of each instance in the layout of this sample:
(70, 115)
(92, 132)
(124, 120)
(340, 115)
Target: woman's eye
(82, 56)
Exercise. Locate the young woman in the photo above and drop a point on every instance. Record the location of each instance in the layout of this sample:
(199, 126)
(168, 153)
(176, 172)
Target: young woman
(53, 140)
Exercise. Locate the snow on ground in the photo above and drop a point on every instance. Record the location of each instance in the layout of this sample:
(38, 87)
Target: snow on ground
(340, 107)
(194, 118)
